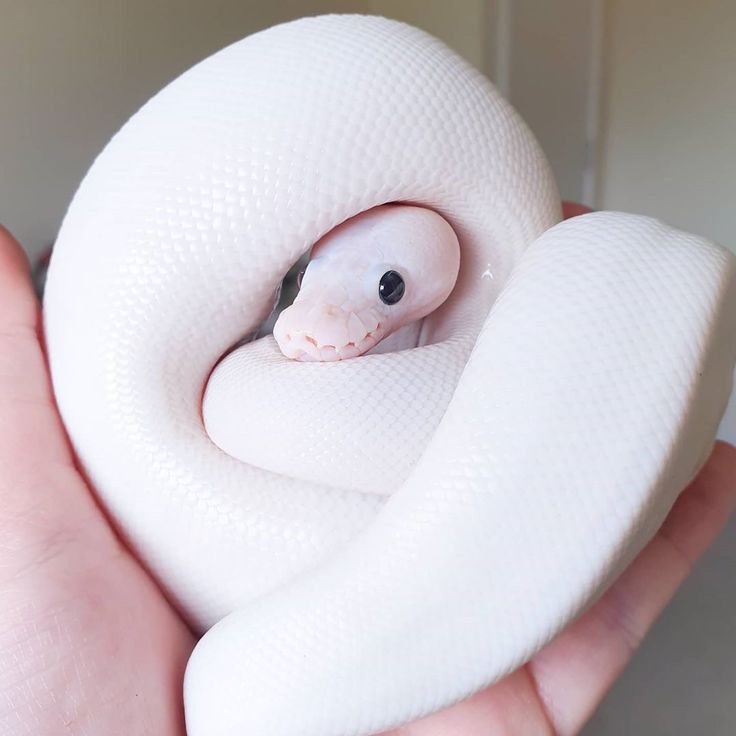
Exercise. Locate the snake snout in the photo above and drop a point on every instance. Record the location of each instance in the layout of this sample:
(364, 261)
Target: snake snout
(310, 331)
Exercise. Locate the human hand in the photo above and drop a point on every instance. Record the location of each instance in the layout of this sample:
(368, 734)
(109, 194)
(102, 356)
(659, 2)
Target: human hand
(88, 643)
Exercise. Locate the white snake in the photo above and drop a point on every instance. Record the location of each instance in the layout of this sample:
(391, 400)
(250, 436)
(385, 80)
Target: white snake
(522, 476)
(375, 275)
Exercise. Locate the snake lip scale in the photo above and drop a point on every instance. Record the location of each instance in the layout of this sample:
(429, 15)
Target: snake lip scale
(370, 540)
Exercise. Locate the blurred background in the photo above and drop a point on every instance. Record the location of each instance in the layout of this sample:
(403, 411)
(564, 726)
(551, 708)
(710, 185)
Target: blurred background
(634, 102)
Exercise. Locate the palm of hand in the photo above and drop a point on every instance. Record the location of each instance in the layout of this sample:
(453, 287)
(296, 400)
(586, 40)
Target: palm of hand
(89, 644)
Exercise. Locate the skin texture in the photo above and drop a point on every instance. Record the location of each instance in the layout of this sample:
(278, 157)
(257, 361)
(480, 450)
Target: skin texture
(89, 645)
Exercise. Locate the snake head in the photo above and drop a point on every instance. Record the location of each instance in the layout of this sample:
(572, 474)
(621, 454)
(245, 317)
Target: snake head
(375, 273)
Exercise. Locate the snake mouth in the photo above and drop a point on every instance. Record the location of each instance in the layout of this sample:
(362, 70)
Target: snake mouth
(306, 348)
(312, 330)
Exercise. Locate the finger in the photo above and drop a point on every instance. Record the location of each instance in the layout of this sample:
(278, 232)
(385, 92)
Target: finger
(559, 690)
(43, 501)
(30, 429)
(573, 209)
(18, 305)
(511, 707)
(574, 672)
(86, 640)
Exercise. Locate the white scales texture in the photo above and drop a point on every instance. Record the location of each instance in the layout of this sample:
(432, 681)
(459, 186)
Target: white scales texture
(519, 481)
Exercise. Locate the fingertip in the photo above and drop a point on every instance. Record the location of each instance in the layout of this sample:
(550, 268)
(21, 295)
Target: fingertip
(717, 478)
(726, 450)
(18, 304)
(10, 249)
(573, 209)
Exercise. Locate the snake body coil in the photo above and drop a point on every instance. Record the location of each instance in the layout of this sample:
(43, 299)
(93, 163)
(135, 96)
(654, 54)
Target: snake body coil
(415, 524)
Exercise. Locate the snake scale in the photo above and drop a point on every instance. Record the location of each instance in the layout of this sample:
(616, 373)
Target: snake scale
(408, 526)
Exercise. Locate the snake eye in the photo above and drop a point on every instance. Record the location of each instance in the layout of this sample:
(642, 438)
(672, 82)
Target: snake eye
(391, 287)
(299, 278)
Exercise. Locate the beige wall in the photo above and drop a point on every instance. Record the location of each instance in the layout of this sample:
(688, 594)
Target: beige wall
(550, 64)
(669, 118)
(670, 113)
(72, 72)
(463, 24)
(546, 70)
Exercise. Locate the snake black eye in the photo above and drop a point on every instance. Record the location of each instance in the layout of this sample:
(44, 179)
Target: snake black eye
(391, 287)
(299, 278)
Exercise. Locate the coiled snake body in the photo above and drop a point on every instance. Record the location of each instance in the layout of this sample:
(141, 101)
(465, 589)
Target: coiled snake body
(401, 528)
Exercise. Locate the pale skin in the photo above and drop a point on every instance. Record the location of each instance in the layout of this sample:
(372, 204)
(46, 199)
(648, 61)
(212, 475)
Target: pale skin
(89, 645)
